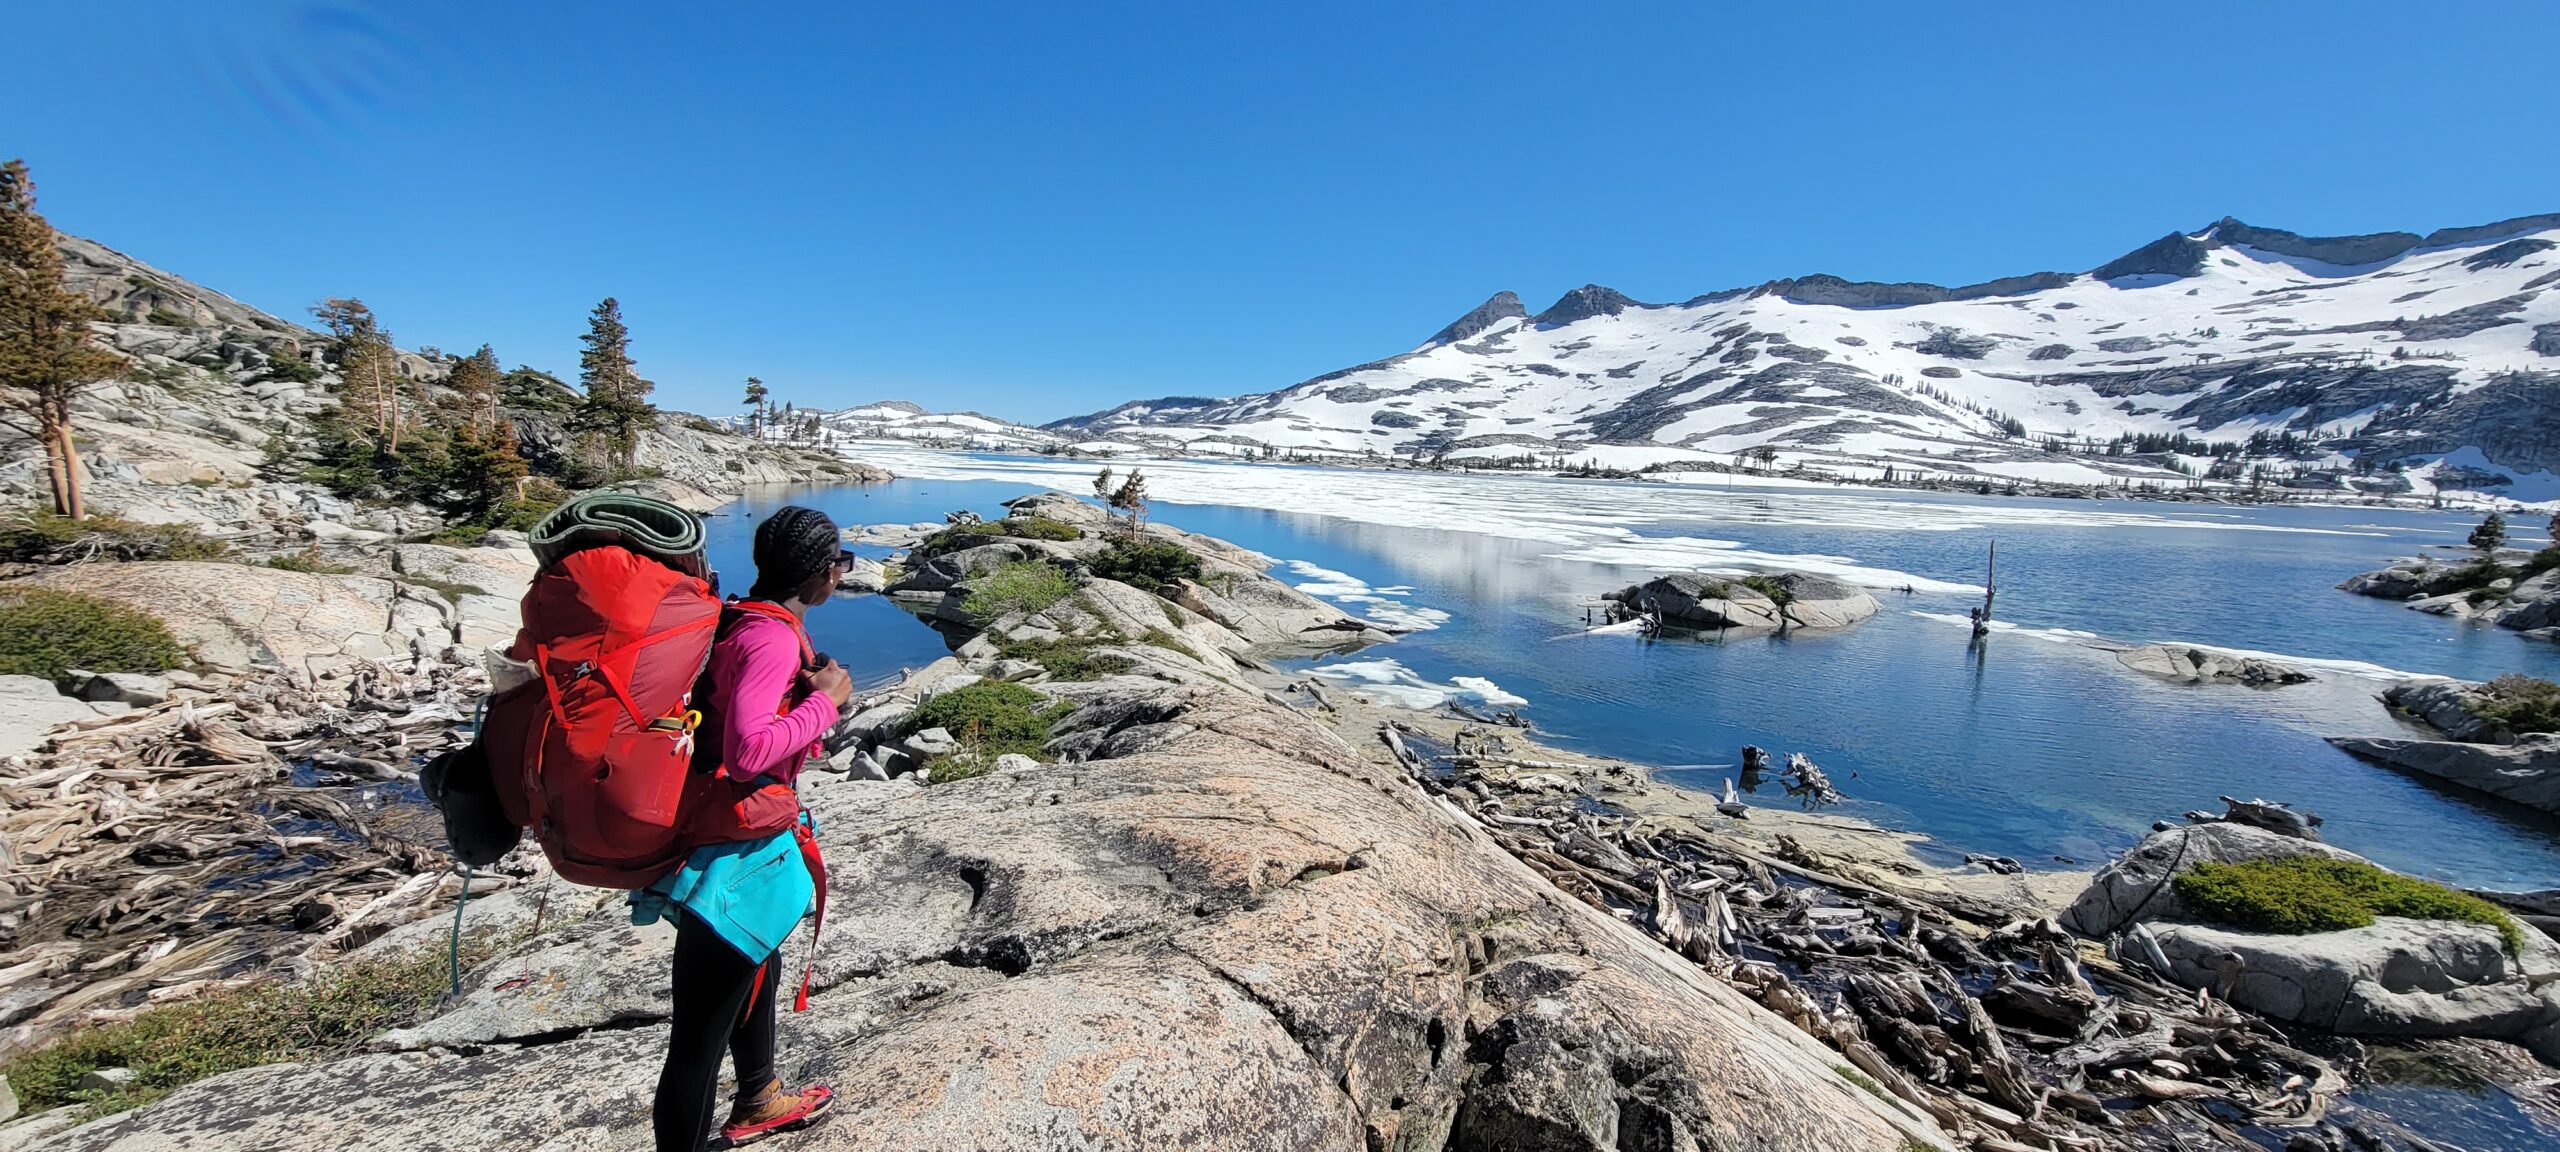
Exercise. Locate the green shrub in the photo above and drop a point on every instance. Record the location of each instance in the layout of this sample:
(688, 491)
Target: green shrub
(991, 718)
(964, 536)
(167, 319)
(2521, 703)
(44, 632)
(1159, 638)
(306, 562)
(1145, 564)
(2479, 573)
(167, 1047)
(1017, 586)
(2540, 562)
(2298, 895)
(40, 537)
(1770, 586)
(287, 364)
(1069, 658)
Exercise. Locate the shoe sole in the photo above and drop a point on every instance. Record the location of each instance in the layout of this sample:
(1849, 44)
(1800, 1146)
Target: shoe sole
(815, 1114)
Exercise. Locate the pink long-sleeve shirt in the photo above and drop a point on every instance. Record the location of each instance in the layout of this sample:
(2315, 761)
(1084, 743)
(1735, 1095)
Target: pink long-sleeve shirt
(755, 668)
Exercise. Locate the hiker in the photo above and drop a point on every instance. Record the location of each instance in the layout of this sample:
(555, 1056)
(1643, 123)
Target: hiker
(766, 700)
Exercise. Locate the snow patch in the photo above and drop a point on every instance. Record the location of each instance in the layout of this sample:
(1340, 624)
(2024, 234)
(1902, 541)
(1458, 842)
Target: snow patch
(1388, 681)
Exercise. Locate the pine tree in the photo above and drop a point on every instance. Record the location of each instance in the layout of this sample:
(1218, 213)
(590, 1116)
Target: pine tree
(617, 401)
(369, 386)
(482, 470)
(47, 353)
(2491, 534)
(756, 393)
(474, 384)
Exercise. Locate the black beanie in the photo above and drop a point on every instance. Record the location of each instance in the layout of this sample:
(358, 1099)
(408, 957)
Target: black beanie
(793, 545)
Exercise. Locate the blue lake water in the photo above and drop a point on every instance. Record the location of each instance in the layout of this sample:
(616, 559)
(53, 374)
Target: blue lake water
(2034, 745)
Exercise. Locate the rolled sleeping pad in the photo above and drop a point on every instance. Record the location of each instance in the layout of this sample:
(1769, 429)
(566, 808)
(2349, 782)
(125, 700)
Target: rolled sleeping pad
(651, 528)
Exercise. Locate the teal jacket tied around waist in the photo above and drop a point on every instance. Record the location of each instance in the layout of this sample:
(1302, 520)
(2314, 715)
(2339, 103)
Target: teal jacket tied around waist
(752, 892)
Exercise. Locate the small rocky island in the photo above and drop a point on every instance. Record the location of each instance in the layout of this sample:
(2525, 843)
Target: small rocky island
(2510, 588)
(2190, 664)
(2496, 737)
(1771, 600)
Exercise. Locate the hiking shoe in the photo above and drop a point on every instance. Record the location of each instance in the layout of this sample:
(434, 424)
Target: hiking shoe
(775, 1111)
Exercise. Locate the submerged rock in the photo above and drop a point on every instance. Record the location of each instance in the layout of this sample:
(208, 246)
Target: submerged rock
(2189, 664)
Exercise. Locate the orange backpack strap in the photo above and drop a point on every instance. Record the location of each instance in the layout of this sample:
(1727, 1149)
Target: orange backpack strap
(817, 863)
(772, 611)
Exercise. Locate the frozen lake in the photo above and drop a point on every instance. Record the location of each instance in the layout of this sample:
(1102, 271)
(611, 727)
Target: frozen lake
(2036, 745)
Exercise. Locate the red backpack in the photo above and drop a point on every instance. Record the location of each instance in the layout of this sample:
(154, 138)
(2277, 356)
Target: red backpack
(596, 755)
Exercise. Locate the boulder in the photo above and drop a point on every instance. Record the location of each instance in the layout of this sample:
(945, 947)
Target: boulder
(2188, 664)
(30, 709)
(2135, 887)
(134, 689)
(332, 532)
(864, 575)
(2394, 977)
(2526, 772)
(2449, 707)
(931, 742)
(233, 616)
(1710, 600)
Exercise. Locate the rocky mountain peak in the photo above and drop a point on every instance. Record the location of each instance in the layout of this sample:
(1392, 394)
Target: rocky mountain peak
(1585, 302)
(1499, 307)
(2176, 254)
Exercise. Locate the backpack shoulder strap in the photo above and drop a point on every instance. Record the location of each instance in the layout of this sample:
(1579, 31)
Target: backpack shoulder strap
(736, 609)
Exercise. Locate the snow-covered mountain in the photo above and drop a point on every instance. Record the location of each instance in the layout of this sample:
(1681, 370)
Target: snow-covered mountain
(2438, 351)
(900, 420)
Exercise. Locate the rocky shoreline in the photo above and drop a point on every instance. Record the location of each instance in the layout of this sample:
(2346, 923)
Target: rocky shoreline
(1213, 900)
(1213, 924)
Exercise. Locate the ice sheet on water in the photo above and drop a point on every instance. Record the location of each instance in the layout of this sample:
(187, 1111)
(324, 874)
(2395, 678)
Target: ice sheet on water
(1384, 605)
(2073, 636)
(1388, 681)
(1602, 523)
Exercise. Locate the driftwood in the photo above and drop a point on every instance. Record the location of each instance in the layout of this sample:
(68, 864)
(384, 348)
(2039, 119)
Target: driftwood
(206, 841)
(1803, 778)
(2064, 1050)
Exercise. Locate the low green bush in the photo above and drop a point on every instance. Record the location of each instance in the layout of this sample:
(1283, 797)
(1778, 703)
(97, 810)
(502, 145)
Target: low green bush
(1069, 658)
(1772, 587)
(40, 537)
(990, 718)
(306, 562)
(44, 632)
(2521, 703)
(1145, 564)
(167, 1047)
(1017, 586)
(964, 536)
(2299, 895)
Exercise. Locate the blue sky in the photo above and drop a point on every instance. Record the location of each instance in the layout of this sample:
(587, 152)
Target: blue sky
(1041, 209)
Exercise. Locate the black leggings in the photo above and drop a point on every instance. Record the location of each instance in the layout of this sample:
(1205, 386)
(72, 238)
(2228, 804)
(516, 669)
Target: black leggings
(712, 986)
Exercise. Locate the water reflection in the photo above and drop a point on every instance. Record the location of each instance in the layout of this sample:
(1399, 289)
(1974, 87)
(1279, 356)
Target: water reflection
(2033, 744)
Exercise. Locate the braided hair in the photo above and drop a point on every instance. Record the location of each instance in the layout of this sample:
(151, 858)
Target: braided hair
(792, 546)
